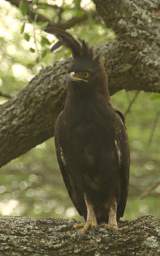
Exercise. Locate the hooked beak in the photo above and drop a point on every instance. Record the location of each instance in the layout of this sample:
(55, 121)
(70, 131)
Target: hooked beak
(75, 77)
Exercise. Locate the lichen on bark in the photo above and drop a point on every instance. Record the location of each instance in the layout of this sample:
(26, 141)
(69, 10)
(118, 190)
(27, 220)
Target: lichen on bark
(132, 63)
(25, 236)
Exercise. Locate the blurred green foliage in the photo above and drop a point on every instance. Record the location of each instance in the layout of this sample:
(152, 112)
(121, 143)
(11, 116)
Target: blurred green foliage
(31, 185)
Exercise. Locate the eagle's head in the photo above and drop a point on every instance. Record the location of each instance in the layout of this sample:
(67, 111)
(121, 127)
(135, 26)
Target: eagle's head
(87, 67)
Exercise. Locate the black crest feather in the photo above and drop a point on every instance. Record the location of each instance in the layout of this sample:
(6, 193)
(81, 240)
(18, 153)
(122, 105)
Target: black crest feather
(79, 48)
(68, 40)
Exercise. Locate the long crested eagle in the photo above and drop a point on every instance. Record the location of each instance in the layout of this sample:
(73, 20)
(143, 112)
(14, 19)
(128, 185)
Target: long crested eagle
(91, 140)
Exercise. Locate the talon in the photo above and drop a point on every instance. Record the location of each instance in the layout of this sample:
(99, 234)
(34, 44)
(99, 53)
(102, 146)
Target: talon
(87, 227)
(91, 217)
(112, 218)
(78, 225)
(83, 228)
(111, 227)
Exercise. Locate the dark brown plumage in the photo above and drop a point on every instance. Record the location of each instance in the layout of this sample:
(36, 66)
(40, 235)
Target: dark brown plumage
(91, 140)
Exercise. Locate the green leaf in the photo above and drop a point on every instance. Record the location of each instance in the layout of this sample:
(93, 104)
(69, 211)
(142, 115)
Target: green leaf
(24, 7)
(42, 24)
(26, 36)
(44, 53)
(35, 1)
(42, 6)
(32, 50)
(44, 41)
(22, 28)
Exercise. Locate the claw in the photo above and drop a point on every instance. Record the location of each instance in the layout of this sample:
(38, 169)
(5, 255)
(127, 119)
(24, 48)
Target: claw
(83, 228)
(112, 218)
(88, 225)
(78, 226)
(113, 227)
(91, 221)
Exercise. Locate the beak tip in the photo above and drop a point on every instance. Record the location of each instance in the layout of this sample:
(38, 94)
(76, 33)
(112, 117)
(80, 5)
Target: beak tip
(75, 77)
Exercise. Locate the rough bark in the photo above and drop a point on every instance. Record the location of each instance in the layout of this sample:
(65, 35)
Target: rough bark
(49, 237)
(137, 27)
(132, 63)
(28, 119)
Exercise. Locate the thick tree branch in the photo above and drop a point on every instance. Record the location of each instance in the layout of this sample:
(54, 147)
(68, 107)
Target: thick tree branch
(49, 237)
(137, 26)
(28, 119)
(132, 63)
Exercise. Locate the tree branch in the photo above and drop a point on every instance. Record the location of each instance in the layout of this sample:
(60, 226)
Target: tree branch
(154, 126)
(49, 28)
(25, 236)
(137, 26)
(131, 103)
(150, 189)
(5, 95)
(28, 119)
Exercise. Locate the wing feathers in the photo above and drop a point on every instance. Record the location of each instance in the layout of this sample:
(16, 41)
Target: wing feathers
(122, 149)
(75, 194)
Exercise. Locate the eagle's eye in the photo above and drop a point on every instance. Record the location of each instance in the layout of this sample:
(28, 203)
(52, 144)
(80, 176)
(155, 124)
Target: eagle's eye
(85, 75)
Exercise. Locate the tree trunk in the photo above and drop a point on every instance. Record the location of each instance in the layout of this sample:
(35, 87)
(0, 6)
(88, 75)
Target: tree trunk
(132, 63)
(137, 27)
(30, 237)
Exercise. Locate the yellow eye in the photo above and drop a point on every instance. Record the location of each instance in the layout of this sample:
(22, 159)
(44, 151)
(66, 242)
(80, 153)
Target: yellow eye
(80, 75)
(86, 75)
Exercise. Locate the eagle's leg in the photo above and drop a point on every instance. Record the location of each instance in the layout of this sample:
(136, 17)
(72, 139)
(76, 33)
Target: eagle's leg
(112, 216)
(91, 220)
(91, 217)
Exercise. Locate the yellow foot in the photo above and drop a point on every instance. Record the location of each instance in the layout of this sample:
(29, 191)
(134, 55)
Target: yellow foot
(83, 228)
(111, 226)
(78, 226)
(87, 226)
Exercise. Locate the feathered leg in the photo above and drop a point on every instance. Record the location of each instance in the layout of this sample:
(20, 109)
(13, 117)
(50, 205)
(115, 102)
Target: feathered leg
(91, 220)
(91, 217)
(112, 216)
